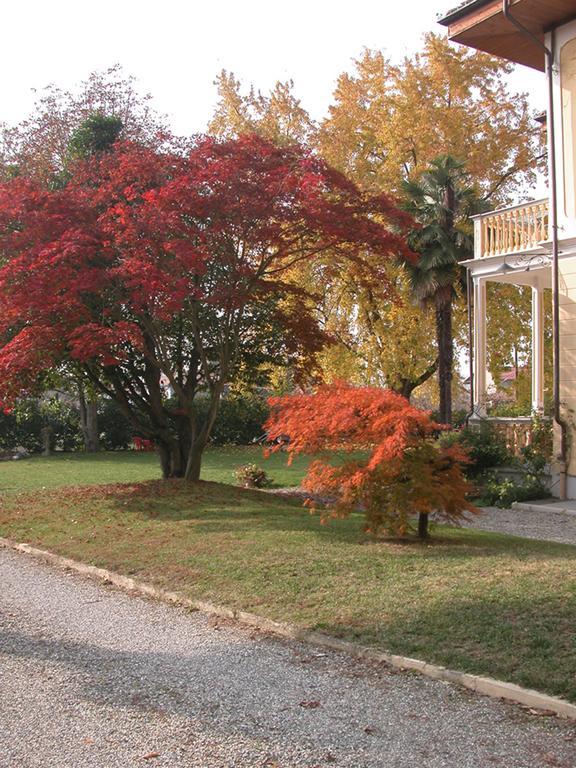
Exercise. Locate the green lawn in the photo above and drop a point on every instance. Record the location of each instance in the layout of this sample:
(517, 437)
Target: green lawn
(131, 466)
(473, 601)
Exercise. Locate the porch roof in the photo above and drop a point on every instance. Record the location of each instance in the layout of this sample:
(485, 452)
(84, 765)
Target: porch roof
(525, 269)
(481, 24)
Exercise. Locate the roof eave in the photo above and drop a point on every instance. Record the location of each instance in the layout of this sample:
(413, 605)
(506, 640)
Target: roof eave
(460, 12)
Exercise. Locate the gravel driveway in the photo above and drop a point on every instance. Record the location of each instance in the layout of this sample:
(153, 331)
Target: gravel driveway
(529, 523)
(90, 676)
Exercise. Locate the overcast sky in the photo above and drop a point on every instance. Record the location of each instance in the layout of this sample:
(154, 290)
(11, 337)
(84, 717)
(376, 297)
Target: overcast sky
(175, 48)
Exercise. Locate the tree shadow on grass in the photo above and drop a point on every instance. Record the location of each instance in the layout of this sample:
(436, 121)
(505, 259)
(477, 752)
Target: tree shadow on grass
(220, 508)
(216, 508)
(525, 639)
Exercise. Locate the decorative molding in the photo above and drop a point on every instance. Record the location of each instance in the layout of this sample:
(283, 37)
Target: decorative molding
(527, 261)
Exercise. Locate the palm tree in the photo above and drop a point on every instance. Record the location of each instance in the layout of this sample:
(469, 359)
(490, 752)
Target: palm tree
(441, 200)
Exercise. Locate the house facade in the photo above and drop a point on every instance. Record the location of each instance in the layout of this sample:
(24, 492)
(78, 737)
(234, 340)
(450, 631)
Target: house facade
(533, 244)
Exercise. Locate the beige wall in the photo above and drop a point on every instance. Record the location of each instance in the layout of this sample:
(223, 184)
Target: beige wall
(565, 125)
(567, 303)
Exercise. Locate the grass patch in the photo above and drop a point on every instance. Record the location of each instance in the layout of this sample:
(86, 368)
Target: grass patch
(62, 469)
(475, 601)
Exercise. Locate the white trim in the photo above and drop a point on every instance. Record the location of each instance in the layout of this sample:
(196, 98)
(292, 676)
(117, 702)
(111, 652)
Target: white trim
(479, 347)
(537, 349)
(509, 208)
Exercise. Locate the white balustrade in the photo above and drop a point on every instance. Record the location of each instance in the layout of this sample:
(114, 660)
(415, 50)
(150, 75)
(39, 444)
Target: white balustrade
(511, 230)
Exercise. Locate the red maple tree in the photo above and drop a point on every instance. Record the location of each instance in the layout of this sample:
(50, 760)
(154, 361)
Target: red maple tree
(399, 471)
(161, 276)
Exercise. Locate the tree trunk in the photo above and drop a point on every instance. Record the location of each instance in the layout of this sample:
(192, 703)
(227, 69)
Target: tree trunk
(194, 462)
(181, 455)
(180, 459)
(89, 422)
(47, 434)
(199, 437)
(445, 356)
(171, 459)
(409, 385)
(164, 455)
(92, 434)
(405, 389)
(423, 526)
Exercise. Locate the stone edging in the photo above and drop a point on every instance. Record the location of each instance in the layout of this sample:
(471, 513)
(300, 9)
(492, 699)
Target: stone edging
(483, 685)
(555, 508)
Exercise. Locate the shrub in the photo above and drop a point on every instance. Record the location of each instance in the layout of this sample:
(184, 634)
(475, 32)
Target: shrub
(24, 424)
(115, 429)
(539, 452)
(502, 493)
(406, 473)
(240, 420)
(535, 457)
(252, 476)
(485, 447)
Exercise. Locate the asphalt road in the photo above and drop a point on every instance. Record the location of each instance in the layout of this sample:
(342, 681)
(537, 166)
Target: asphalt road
(92, 677)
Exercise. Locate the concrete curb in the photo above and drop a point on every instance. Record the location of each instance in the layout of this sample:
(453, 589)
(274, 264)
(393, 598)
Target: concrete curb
(555, 508)
(483, 685)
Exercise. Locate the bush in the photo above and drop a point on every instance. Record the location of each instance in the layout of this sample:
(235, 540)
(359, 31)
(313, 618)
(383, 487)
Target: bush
(24, 424)
(252, 476)
(240, 420)
(484, 446)
(540, 450)
(535, 457)
(115, 429)
(502, 493)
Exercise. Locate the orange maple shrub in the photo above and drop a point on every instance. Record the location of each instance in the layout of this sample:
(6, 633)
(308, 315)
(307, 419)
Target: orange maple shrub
(403, 473)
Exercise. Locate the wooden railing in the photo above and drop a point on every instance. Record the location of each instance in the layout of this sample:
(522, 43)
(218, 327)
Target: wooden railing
(511, 230)
(517, 431)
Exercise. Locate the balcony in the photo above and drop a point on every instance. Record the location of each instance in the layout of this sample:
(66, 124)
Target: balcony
(515, 230)
(517, 432)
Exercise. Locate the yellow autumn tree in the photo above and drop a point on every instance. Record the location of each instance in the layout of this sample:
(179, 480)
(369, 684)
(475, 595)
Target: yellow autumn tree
(277, 115)
(377, 339)
(389, 121)
(365, 322)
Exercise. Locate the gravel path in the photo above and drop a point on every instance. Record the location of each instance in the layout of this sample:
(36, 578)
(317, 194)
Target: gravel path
(90, 677)
(544, 525)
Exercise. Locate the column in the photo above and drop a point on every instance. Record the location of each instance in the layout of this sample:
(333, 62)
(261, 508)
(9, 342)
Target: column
(537, 349)
(480, 347)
